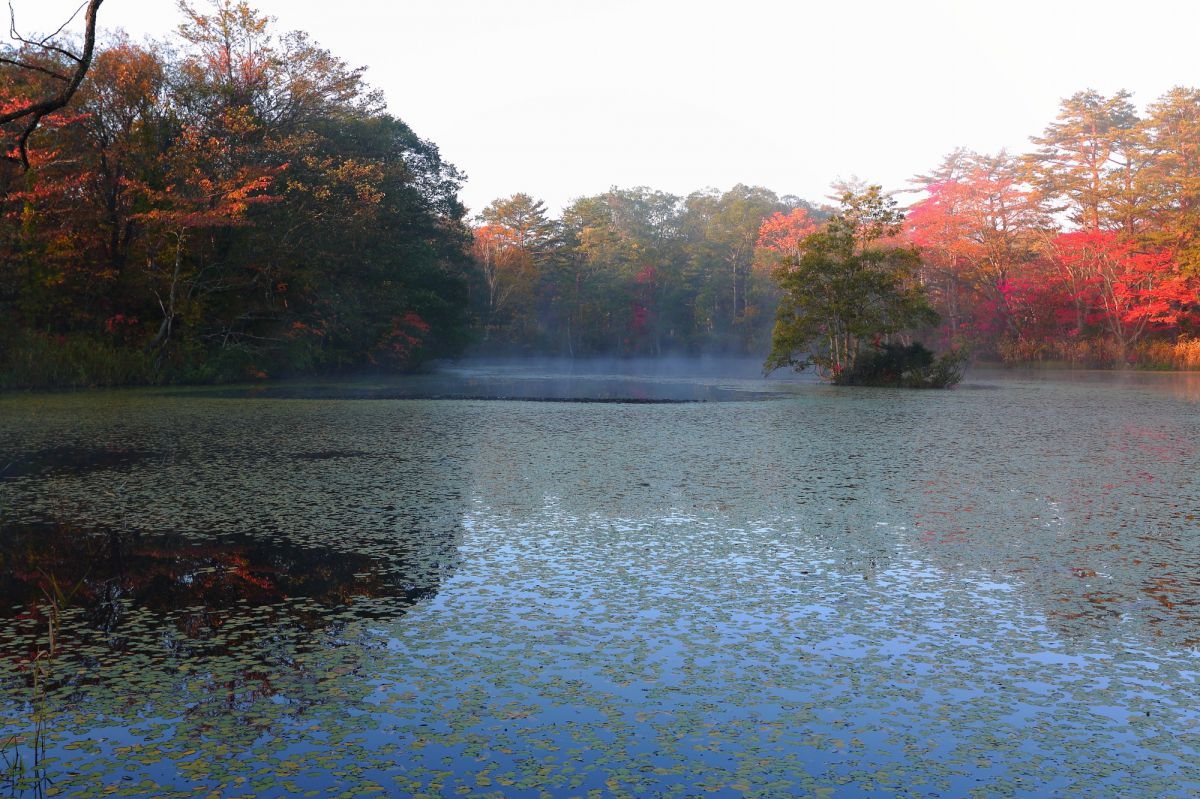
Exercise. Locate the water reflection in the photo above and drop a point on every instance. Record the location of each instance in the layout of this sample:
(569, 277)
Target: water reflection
(198, 583)
(1179, 386)
(841, 593)
(216, 581)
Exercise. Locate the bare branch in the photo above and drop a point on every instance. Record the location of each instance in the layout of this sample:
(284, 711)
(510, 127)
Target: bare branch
(45, 42)
(29, 116)
(61, 27)
(36, 68)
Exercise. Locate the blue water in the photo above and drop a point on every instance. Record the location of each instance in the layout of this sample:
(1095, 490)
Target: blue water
(773, 588)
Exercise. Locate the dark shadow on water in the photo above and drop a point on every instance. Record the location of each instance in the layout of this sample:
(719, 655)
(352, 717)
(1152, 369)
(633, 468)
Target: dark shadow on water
(236, 638)
(69, 460)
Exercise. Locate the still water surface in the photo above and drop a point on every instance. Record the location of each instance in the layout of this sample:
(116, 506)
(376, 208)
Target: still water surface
(760, 588)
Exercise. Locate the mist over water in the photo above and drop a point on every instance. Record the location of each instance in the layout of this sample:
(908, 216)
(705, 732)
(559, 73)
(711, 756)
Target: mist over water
(601, 380)
(676, 366)
(696, 378)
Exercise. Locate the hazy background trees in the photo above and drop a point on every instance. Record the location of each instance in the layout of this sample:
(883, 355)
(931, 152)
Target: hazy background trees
(630, 272)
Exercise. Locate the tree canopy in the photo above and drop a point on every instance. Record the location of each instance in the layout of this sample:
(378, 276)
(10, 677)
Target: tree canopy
(236, 206)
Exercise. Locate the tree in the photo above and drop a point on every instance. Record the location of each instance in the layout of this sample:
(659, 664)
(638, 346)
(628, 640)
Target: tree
(525, 218)
(1173, 175)
(781, 236)
(368, 237)
(361, 261)
(198, 198)
(1136, 290)
(621, 278)
(238, 60)
(513, 245)
(941, 225)
(849, 288)
(722, 230)
(506, 269)
(978, 227)
(1084, 159)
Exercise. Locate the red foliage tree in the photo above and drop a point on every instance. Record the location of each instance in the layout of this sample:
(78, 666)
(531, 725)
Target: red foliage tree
(978, 229)
(1135, 291)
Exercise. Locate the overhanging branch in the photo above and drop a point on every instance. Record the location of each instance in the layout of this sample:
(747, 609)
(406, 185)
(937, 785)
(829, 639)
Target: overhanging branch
(27, 117)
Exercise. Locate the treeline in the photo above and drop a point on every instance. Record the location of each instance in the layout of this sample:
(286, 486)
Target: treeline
(235, 204)
(1085, 249)
(629, 272)
(239, 204)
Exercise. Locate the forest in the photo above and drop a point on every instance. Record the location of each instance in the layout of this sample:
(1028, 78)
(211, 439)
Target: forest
(239, 204)
(1083, 251)
(234, 205)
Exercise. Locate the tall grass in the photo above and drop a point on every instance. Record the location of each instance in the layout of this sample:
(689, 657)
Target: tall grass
(39, 360)
(1100, 352)
(23, 756)
(1182, 354)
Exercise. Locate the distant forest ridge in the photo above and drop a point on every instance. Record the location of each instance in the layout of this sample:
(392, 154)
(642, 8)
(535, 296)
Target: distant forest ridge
(239, 205)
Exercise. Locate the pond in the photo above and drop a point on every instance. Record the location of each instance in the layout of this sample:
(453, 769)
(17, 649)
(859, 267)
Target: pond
(728, 587)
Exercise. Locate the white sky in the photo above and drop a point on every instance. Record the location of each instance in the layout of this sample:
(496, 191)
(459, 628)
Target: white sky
(561, 98)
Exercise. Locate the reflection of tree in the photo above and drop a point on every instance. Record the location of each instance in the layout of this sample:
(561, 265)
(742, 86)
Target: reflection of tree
(1076, 544)
(301, 532)
(200, 583)
(62, 460)
(235, 634)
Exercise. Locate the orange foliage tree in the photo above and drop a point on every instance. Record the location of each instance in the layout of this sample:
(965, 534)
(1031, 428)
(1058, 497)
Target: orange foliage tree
(780, 237)
(206, 187)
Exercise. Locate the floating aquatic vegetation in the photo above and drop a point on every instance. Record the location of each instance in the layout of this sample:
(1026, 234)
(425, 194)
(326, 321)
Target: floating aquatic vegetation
(67, 459)
(835, 594)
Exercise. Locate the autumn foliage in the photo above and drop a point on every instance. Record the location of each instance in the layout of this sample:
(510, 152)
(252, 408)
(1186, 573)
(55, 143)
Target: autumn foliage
(238, 205)
(1083, 251)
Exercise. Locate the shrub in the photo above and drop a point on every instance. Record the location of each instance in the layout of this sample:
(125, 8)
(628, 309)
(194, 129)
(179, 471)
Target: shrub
(911, 366)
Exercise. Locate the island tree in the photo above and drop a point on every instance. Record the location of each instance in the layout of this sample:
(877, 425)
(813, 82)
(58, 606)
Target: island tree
(852, 287)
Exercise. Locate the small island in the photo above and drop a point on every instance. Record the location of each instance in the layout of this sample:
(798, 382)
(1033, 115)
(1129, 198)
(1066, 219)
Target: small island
(851, 288)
